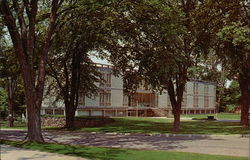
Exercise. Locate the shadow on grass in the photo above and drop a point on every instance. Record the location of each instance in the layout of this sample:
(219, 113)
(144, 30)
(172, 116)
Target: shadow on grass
(150, 125)
(114, 154)
(142, 141)
(86, 152)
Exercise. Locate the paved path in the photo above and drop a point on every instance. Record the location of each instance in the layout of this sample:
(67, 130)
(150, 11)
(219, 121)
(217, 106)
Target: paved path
(13, 153)
(233, 145)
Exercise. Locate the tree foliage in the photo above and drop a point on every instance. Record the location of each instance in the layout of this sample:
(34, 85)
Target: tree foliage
(231, 42)
(155, 44)
(231, 97)
(24, 21)
(69, 63)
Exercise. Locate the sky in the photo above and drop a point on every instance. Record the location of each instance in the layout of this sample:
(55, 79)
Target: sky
(99, 60)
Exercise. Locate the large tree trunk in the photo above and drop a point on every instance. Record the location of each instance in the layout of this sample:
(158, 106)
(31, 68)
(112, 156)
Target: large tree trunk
(10, 112)
(72, 104)
(22, 29)
(70, 116)
(34, 120)
(177, 113)
(176, 96)
(245, 98)
(11, 90)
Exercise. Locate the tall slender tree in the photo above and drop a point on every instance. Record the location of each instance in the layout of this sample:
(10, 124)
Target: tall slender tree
(229, 25)
(21, 19)
(70, 65)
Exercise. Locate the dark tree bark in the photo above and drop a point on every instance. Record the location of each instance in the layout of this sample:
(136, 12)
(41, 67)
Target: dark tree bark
(244, 81)
(74, 90)
(23, 37)
(176, 96)
(70, 116)
(11, 90)
(70, 86)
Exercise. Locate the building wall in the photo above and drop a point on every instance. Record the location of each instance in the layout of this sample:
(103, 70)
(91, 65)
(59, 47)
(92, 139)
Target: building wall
(93, 101)
(91, 106)
(116, 98)
(163, 100)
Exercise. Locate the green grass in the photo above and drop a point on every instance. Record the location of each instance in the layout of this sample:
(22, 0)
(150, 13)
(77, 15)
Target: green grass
(103, 153)
(227, 116)
(17, 125)
(156, 126)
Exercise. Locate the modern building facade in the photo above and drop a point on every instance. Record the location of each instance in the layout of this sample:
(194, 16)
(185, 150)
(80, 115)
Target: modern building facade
(199, 98)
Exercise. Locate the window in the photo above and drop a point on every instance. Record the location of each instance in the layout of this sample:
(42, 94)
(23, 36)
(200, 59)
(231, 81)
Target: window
(195, 88)
(196, 101)
(206, 88)
(125, 100)
(168, 102)
(59, 111)
(105, 98)
(206, 101)
(81, 99)
(105, 80)
(48, 111)
(144, 99)
(184, 100)
(196, 97)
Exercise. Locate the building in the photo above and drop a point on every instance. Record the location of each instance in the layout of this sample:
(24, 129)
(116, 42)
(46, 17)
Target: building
(199, 98)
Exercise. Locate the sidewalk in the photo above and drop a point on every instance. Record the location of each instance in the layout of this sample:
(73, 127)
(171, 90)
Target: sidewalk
(231, 145)
(13, 153)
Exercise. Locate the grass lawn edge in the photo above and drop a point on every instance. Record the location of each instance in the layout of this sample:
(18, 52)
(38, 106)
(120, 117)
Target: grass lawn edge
(93, 152)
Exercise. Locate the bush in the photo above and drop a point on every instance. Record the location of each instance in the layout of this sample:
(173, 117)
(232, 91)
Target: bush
(3, 104)
(230, 108)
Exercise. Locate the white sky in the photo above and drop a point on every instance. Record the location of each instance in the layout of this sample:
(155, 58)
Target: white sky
(99, 60)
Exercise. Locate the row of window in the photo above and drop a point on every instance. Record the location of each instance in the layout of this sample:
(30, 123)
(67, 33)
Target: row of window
(105, 98)
(149, 100)
(195, 101)
(105, 80)
(196, 89)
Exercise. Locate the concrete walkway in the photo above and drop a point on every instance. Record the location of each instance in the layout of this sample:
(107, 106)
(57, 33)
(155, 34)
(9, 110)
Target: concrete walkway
(13, 153)
(232, 145)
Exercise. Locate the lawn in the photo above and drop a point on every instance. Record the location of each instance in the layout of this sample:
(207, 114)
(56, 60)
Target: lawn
(17, 125)
(102, 153)
(161, 125)
(156, 126)
(227, 116)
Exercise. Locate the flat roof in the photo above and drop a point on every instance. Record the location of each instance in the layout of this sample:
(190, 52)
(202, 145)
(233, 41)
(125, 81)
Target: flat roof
(100, 65)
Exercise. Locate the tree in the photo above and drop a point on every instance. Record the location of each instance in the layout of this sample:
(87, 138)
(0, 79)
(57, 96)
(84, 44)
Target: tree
(3, 103)
(211, 68)
(231, 97)
(157, 43)
(238, 45)
(73, 72)
(231, 41)
(22, 19)
(9, 73)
